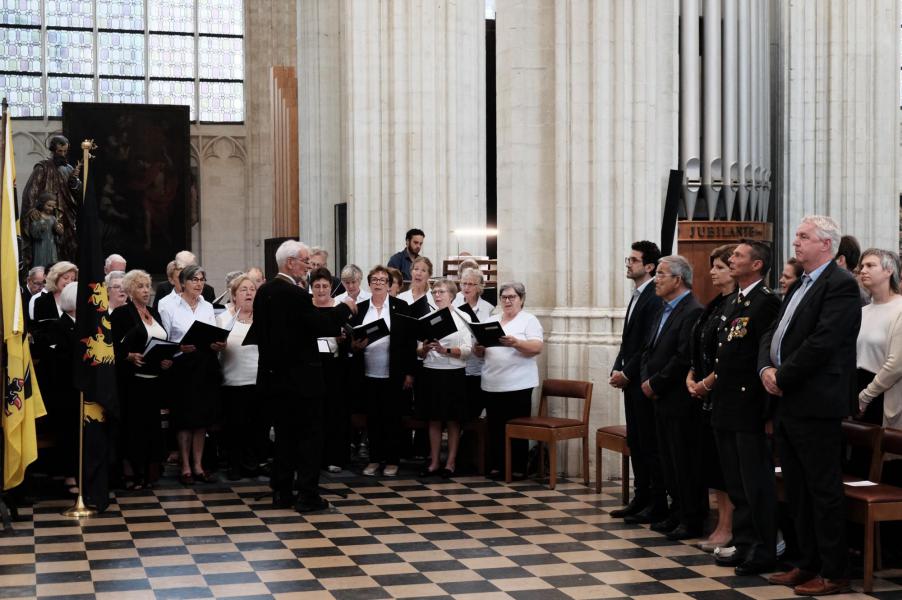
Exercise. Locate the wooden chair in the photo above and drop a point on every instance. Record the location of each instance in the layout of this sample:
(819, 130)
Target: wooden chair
(550, 430)
(874, 504)
(613, 438)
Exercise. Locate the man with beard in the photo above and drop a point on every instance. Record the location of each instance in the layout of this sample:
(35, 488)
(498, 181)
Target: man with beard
(60, 179)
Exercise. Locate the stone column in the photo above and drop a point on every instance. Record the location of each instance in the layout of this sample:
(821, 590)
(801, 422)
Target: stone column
(587, 134)
(837, 116)
(392, 98)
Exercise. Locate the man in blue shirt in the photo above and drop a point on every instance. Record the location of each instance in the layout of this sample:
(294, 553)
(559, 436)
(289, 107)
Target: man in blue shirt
(403, 260)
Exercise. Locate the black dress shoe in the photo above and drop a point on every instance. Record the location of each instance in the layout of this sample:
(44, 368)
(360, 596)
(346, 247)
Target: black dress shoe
(751, 567)
(635, 506)
(683, 532)
(734, 560)
(311, 505)
(665, 525)
(649, 514)
(282, 500)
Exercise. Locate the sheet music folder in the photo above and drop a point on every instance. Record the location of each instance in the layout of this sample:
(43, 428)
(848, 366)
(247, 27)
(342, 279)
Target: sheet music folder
(155, 352)
(487, 334)
(434, 326)
(202, 334)
(373, 331)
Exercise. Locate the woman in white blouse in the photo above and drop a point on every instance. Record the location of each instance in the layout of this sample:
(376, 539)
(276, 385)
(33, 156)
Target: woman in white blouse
(420, 272)
(879, 347)
(243, 427)
(441, 386)
(470, 301)
(196, 373)
(509, 375)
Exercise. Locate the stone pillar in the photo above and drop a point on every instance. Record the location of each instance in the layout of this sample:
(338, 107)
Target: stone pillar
(836, 104)
(587, 134)
(392, 103)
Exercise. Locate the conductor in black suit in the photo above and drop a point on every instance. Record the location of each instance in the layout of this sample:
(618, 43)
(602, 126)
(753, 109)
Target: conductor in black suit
(678, 417)
(807, 360)
(741, 409)
(649, 503)
(290, 375)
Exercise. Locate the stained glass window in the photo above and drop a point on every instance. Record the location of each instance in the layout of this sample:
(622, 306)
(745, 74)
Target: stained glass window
(188, 52)
(120, 14)
(20, 12)
(20, 50)
(120, 53)
(171, 15)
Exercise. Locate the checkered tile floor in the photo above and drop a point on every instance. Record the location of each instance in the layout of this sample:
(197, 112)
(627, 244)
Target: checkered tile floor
(400, 538)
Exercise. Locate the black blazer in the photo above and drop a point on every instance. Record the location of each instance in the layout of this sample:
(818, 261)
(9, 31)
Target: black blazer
(817, 373)
(635, 333)
(129, 334)
(285, 328)
(740, 402)
(165, 288)
(402, 358)
(45, 308)
(665, 361)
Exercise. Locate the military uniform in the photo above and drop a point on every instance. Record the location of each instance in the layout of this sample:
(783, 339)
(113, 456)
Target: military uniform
(741, 406)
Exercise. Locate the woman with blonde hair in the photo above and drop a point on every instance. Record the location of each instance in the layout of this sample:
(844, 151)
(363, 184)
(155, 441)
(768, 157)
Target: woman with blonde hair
(47, 306)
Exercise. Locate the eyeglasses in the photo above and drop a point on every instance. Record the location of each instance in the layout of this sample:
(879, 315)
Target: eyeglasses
(631, 259)
(198, 280)
(378, 280)
(660, 275)
(508, 298)
(440, 291)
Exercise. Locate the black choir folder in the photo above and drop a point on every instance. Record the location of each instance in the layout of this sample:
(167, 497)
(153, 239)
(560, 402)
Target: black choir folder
(202, 334)
(487, 334)
(372, 332)
(155, 352)
(433, 326)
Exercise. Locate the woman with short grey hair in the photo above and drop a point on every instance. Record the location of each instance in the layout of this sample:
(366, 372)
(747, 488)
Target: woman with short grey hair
(510, 374)
(351, 276)
(469, 300)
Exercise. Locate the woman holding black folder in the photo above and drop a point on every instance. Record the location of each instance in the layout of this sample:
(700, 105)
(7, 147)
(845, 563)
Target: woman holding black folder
(418, 296)
(197, 372)
(387, 366)
(133, 324)
(470, 301)
(509, 375)
(441, 386)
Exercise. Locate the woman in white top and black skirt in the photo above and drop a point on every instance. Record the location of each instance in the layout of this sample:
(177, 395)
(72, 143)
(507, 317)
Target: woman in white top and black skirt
(244, 419)
(510, 374)
(133, 324)
(196, 374)
(470, 301)
(441, 386)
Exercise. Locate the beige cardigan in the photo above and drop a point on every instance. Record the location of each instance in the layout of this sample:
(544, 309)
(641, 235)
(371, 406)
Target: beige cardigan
(887, 380)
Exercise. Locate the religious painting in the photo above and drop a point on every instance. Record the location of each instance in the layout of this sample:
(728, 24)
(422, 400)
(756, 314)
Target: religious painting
(141, 177)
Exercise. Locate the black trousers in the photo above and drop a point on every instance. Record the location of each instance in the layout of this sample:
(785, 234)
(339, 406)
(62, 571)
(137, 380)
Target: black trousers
(810, 453)
(245, 427)
(384, 408)
(642, 438)
(500, 408)
(299, 444)
(679, 443)
(748, 473)
(337, 414)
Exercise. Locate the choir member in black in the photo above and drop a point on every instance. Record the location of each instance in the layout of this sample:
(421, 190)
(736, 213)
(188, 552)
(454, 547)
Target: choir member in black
(244, 426)
(699, 382)
(47, 306)
(388, 367)
(141, 387)
(441, 385)
(196, 373)
(333, 352)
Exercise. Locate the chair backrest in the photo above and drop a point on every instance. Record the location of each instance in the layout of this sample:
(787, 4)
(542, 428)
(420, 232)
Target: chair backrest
(892, 441)
(566, 388)
(866, 436)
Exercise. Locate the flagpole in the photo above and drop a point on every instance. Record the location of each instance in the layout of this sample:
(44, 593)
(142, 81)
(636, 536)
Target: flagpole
(80, 510)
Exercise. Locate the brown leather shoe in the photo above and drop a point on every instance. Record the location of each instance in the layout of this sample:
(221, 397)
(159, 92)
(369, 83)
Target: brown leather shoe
(822, 587)
(791, 578)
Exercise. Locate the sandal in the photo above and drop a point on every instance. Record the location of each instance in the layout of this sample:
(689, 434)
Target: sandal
(204, 477)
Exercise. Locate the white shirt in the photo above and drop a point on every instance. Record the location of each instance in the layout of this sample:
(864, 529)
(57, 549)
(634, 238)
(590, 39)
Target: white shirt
(462, 339)
(361, 296)
(375, 356)
(507, 369)
(746, 291)
(167, 299)
(408, 298)
(239, 363)
(873, 336)
(178, 317)
(636, 293)
(31, 303)
(483, 312)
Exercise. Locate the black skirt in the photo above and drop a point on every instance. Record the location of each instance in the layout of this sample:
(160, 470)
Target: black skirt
(194, 382)
(442, 395)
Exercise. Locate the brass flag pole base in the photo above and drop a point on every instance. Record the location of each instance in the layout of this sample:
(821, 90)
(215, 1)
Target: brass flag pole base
(79, 510)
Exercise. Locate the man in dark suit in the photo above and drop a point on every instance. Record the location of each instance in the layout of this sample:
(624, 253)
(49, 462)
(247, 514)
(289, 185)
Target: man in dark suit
(650, 499)
(290, 377)
(741, 408)
(807, 360)
(665, 363)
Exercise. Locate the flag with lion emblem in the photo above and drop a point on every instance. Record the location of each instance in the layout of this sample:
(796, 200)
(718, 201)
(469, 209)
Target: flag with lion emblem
(95, 371)
(22, 402)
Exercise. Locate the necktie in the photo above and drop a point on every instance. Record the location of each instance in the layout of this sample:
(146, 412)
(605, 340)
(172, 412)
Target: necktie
(741, 298)
(794, 302)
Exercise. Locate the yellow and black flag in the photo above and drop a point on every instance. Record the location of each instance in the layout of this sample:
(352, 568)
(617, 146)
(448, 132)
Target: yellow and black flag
(22, 402)
(95, 371)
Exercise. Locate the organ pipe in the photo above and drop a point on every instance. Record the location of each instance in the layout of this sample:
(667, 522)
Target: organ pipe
(712, 163)
(690, 134)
